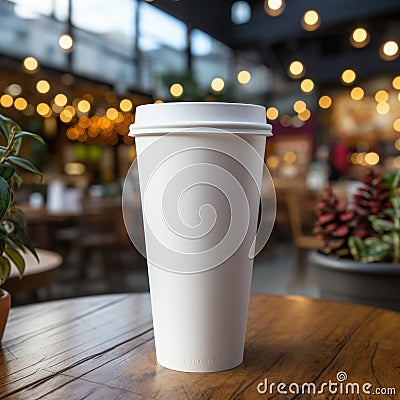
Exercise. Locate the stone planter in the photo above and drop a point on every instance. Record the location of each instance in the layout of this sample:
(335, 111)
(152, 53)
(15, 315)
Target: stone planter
(5, 303)
(373, 284)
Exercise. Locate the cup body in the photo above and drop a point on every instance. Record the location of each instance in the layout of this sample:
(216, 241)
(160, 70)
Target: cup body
(200, 191)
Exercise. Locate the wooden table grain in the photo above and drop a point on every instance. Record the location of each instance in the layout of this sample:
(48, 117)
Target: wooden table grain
(102, 347)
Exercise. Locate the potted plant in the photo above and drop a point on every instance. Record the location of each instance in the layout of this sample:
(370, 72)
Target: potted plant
(13, 237)
(359, 261)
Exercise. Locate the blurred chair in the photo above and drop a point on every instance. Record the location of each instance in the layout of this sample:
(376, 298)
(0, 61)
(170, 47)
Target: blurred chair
(98, 233)
(300, 207)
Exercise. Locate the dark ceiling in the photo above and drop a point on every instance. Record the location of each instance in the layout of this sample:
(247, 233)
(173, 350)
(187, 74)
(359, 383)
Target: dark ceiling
(276, 41)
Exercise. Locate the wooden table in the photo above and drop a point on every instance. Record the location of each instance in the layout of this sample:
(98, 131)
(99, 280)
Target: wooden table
(102, 347)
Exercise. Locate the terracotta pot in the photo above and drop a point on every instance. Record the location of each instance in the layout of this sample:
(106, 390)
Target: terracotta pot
(5, 304)
(373, 284)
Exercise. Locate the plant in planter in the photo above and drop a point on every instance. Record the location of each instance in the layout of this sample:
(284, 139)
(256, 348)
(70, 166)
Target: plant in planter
(360, 258)
(13, 237)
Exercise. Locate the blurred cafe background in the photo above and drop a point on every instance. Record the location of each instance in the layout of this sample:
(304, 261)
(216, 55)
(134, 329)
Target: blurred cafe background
(74, 71)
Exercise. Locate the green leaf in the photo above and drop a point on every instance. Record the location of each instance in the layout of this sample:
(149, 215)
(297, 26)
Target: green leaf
(5, 197)
(357, 248)
(20, 239)
(6, 171)
(6, 126)
(17, 259)
(388, 238)
(25, 164)
(17, 179)
(29, 134)
(372, 242)
(382, 225)
(5, 269)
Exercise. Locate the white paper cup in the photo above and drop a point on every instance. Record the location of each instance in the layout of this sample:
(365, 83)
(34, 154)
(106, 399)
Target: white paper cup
(200, 172)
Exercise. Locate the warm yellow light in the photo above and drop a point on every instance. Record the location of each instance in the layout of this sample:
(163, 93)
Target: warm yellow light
(20, 103)
(359, 35)
(65, 42)
(244, 77)
(43, 109)
(371, 158)
(273, 162)
(112, 113)
(158, 101)
(60, 99)
(359, 38)
(274, 4)
(397, 144)
(84, 106)
(381, 95)
(357, 93)
(31, 64)
(217, 84)
(311, 20)
(307, 85)
(274, 8)
(390, 48)
(286, 120)
(75, 168)
(125, 105)
(396, 82)
(14, 89)
(70, 110)
(296, 69)
(6, 100)
(290, 157)
(305, 115)
(348, 76)
(176, 90)
(42, 86)
(382, 108)
(299, 106)
(272, 113)
(66, 116)
(325, 102)
(396, 125)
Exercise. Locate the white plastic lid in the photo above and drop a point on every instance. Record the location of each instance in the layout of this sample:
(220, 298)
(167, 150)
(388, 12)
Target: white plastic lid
(163, 118)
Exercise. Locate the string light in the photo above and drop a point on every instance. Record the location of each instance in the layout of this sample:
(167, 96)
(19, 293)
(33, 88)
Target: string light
(6, 100)
(348, 76)
(382, 108)
(43, 109)
(125, 105)
(272, 113)
(396, 82)
(389, 50)
(304, 115)
(311, 20)
(65, 42)
(325, 102)
(396, 126)
(14, 89)
(176, 90)
(359, 38)
(307, 85)
(296, 69)
(84, 106)
(30, 64)
(299, 106)
(244, 77)
(60, 99)
(217, 84)
(20, 104)
(371, 158)
(357, 93)
(274, 8)
(42, 86)
(381, 95)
